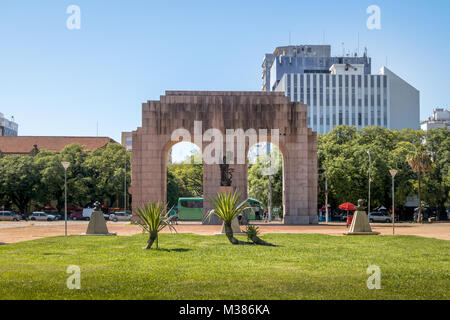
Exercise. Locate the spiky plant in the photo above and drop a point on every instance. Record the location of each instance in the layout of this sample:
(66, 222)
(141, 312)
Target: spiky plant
(226, 207)
(252, 235)
(154, 217)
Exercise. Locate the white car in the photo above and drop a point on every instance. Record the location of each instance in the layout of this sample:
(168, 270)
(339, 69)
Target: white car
(9, 216)
(42, 216)
(120, 216)
(379, 217)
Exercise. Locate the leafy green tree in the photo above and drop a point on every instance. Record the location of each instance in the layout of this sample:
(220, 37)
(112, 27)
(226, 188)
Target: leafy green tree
(79, 178)
(19, 180)
(258, 183)
(436, 188)
(172, 189)
(187, 177)
(106, 173)
(51, 171)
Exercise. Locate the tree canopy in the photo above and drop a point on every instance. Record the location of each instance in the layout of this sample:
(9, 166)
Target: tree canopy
(32, 182)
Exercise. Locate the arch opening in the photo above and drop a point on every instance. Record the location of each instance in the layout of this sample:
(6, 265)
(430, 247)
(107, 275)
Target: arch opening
(184, 181)
(265, 180)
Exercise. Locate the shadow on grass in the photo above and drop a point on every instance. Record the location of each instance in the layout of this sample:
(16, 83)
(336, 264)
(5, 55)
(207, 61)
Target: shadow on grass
(55, 254)
(172, 250)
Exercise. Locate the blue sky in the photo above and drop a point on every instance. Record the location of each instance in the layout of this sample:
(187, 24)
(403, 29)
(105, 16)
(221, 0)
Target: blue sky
(55, 81)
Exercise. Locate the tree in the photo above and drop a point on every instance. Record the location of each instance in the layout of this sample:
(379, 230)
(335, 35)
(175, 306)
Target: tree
(258, 183)
(172, 189)
(188, 177)
(79, 178)
(420, 162)
(106, 172)
(19, 180)
(436, 188)
(52, 178)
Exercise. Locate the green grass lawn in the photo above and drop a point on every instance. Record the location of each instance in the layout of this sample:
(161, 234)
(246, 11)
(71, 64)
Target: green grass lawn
(208, 267)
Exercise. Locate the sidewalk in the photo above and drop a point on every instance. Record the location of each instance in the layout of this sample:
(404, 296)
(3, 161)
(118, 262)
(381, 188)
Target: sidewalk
(11, 232)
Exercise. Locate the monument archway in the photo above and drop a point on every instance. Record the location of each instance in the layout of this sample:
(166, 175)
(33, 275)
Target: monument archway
(201, 117)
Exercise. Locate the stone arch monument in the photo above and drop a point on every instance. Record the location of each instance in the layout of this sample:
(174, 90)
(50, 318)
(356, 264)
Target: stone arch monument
(222, 111)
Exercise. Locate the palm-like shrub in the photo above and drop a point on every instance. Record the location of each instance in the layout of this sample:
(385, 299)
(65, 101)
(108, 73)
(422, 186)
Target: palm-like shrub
(226, 207)
(153, 217)
(421, 163)
(252, 233)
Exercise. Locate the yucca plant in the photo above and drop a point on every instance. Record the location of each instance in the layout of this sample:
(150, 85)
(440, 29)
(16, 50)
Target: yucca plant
(252, 233)
(154, 217)
(226, 207)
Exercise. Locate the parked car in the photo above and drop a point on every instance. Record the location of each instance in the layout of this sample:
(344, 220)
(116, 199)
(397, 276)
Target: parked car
(379, 217)
(9, 216)
(58, 216)
(120, 216)
(42, 216)
(107, 214)
(76, 215)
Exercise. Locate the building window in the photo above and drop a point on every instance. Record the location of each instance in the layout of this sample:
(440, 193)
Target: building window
(378, 92)
(315, 90)
(308, 90)
(328, 116)
(321, 89)
(346, 91)
(288, 79)
(359, 92)
(302, 97)
(327, 90)
(366, 100)
(295, 87)
(334, 90)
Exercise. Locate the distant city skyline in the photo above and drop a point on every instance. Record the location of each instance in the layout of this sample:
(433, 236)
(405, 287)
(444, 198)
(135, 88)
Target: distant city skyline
(61, 82)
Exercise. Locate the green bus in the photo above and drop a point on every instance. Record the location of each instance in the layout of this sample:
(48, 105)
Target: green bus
(191, 209)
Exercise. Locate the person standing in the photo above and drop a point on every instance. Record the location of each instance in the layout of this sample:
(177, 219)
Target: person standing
(257, 216)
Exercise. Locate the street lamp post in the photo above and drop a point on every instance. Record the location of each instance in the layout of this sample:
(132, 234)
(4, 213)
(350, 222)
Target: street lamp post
(393, 173)
(326, 196)
(269, 195)
(65, 166)
(370, 180)
(325, 173)
(125, 183)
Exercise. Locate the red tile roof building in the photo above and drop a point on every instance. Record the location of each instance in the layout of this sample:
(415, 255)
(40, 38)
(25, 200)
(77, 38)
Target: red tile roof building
(28, 144)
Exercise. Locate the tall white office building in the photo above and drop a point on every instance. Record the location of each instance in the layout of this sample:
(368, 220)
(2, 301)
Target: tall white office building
(348, 94)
